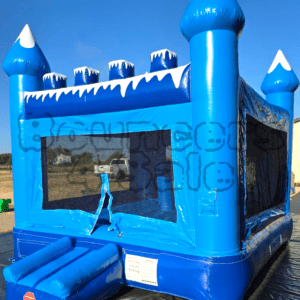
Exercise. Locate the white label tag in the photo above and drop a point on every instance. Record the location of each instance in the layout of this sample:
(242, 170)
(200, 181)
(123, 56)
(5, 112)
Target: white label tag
(141, 269)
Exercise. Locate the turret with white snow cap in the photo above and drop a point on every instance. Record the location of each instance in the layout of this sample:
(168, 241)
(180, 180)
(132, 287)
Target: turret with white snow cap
(120, 69)
(85, 75)
(25, 64)
(280, 78)
(279, 86)
(25, 57)
(54, 81)
(163, 60)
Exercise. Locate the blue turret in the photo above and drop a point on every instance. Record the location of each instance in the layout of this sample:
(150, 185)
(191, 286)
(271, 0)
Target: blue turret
(25, 57)
(120, 69)
(85, 75)
(25, 64)
(279, 86)
(212, 27)
(53, 81)
(163, 60)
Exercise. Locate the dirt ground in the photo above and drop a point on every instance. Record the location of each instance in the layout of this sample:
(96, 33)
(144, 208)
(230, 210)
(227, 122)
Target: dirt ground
(63, 186)
(6, 186)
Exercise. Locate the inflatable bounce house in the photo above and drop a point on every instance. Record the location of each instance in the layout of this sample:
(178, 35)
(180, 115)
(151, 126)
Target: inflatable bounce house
(175, 181)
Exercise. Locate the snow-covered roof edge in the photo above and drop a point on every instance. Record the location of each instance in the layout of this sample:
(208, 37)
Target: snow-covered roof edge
(175, 73)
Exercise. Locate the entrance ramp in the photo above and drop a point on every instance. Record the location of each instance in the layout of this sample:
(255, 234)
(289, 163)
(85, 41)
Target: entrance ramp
(64, 271)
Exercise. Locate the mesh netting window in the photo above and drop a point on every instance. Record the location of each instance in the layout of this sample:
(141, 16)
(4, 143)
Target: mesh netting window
(266, 166)
(139, 166)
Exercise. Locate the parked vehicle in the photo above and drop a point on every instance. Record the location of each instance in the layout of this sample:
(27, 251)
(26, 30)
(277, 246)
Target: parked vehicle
(118, 168)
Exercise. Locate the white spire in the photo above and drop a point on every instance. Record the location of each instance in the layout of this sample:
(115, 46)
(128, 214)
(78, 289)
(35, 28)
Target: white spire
(26, 38)
(280, 59)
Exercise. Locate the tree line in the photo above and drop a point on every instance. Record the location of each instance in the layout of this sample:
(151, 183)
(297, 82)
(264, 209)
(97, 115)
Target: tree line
(5, 159)
(83, 158)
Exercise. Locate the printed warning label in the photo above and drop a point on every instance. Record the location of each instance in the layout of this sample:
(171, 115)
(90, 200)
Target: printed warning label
(141, 269)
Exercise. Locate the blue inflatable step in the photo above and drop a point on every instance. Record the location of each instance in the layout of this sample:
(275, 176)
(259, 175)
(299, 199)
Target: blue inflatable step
(64, 271)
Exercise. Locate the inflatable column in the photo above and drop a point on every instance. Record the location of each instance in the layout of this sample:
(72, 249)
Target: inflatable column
(25, 65)
(212, 28)
(279, 86)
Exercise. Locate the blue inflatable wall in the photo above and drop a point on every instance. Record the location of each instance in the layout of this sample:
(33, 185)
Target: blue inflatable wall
(195, 199)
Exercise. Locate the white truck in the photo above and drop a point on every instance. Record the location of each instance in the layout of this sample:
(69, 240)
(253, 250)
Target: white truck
(118, 168)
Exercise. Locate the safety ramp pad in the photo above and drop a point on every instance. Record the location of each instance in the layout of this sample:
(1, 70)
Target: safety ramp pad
(64, 271)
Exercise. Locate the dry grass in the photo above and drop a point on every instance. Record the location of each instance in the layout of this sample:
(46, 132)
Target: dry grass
(72, 185)
(64, 182)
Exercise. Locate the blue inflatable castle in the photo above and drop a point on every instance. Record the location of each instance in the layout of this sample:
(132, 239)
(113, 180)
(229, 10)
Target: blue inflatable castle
(175, 181)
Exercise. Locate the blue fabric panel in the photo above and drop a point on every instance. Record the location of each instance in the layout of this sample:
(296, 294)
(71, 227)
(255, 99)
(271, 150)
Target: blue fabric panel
(31, 263)
(70, 279)
(33, 279)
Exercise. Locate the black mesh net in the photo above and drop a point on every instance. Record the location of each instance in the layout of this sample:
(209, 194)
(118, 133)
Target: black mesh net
(139, 166)
(266, 166)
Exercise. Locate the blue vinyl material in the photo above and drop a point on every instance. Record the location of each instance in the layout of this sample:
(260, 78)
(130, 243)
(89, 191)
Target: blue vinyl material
(54, 81)
(214, 248)
(164, 187)
(18, 271)
(121, 70)
(26, 61)
(72, 278)
(210, 86)
(86, 76)
(68, 270)
(204, 16)
(164, 61)
(192, 276)
(154, 93)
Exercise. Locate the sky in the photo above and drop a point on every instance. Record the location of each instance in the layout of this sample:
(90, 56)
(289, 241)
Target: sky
(92, 33)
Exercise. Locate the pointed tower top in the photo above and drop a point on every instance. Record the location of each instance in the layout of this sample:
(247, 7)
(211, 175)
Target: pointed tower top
(280, 78)
(26, 37)
(206, 15)
(280, 59)
(26, 57)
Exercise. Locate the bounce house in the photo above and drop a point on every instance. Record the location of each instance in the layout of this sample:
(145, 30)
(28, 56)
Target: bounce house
(199, 200)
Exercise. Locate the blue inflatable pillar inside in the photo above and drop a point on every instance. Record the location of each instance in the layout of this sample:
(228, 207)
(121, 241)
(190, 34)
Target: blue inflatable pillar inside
(279, 86)
(25, 64)
(212, 29)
